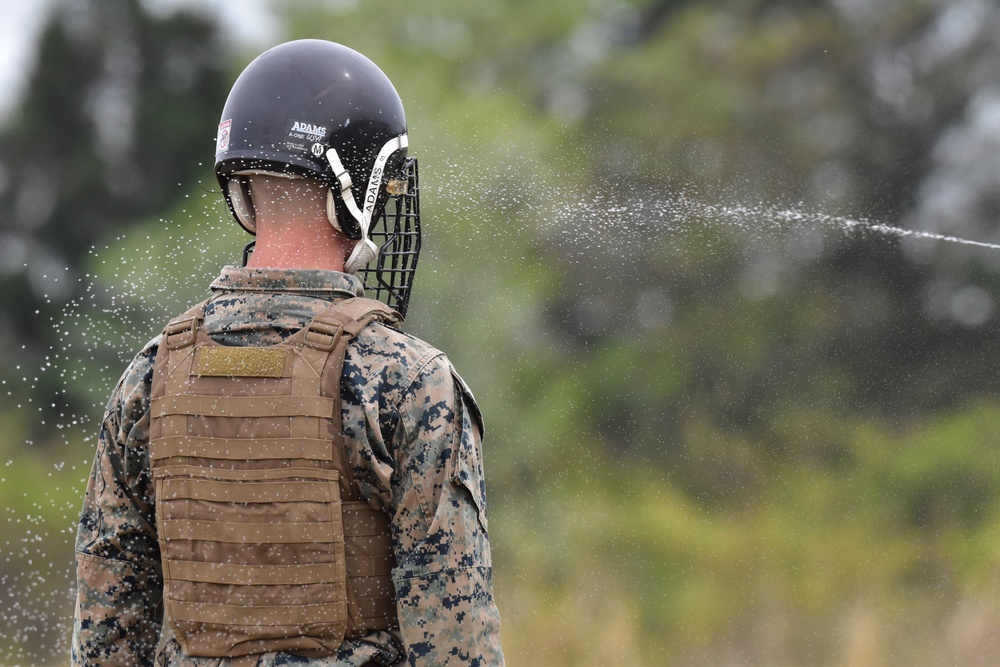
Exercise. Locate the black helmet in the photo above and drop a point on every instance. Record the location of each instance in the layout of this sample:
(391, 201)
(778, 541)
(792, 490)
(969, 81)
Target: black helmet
(319, 109)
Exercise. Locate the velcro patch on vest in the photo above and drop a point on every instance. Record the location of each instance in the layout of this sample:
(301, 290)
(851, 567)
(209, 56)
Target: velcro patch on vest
(244, 362)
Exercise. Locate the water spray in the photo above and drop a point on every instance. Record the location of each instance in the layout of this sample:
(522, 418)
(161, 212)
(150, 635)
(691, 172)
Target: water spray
(792, 216)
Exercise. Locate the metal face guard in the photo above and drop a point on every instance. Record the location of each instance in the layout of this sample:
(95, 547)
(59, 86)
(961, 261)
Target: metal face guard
(396, 232)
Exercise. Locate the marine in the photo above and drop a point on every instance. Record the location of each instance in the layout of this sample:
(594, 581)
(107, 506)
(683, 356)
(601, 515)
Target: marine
(212, 518)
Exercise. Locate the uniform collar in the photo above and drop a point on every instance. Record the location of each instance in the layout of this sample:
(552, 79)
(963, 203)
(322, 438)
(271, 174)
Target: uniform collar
(310, 281)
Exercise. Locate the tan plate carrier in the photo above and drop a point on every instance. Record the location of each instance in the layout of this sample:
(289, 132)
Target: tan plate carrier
(265, 541)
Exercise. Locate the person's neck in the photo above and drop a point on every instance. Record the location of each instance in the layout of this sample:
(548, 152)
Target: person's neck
(290, 245)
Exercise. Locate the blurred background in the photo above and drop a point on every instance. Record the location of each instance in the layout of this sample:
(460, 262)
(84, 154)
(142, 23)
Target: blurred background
(729, 422)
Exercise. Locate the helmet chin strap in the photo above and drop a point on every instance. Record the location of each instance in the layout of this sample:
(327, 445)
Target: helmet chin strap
(365, 250)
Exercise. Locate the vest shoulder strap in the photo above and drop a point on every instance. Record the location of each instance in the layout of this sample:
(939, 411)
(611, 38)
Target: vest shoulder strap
(341, 320)
(359, 309)
(362, 309)
(180, 331)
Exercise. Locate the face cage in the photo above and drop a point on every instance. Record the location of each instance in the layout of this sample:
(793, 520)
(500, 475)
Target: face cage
(396, 232)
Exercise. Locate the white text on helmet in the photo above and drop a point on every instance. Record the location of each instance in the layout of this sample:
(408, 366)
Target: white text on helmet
(309, 128)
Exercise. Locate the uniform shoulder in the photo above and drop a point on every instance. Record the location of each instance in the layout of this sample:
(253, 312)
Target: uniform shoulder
(131, 395)
(379, 338)
(141, 365)
(382, 367)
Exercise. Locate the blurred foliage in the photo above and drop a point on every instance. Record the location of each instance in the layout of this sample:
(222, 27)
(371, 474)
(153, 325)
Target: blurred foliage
(109, 131)
(716, 434)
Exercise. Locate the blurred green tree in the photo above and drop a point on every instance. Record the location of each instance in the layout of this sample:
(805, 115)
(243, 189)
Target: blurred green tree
(113, 113)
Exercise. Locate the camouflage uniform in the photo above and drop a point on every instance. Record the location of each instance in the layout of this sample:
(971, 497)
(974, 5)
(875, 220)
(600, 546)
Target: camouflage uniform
(412, 433)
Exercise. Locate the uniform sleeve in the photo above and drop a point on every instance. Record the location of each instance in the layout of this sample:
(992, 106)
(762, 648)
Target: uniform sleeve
(443, 580)
(118, 614)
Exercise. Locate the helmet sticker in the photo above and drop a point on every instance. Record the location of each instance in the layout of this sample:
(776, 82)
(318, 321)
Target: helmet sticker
(302, 135)
(222, 138)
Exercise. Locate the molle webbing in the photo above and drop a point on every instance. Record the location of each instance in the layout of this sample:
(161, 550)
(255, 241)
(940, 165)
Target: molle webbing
(266, 543)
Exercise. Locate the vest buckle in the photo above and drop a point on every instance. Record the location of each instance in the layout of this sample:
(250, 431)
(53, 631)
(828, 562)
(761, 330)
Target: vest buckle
(323, 335)
(180, 333)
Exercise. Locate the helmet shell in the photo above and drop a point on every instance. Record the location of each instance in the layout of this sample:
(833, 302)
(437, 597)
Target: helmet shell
(299, 99)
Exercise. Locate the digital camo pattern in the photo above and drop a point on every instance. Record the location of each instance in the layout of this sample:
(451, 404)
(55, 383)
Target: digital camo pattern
(413, 437)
